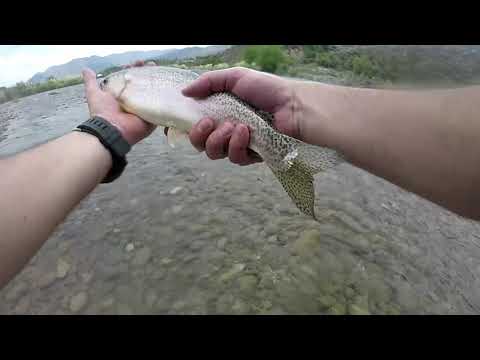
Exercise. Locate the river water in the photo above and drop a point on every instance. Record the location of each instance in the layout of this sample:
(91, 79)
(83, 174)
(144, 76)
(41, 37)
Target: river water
(180, 234)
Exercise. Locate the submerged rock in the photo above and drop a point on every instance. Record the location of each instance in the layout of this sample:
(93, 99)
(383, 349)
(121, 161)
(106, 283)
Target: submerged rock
(62, 268)
(307, 243)
(78, 302)
(142, 257)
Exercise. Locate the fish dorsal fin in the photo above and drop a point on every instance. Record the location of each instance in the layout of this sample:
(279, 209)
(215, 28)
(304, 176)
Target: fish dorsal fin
(176, 137)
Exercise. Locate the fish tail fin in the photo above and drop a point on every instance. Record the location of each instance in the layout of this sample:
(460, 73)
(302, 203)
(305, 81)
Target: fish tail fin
(295, 172)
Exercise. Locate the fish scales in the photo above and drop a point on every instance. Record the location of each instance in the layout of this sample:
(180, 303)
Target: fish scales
(154, 94)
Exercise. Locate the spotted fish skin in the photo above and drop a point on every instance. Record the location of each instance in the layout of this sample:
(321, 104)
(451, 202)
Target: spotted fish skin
(154, 94)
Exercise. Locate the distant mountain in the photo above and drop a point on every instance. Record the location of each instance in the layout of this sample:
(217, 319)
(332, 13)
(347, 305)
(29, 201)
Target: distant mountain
(97, 63)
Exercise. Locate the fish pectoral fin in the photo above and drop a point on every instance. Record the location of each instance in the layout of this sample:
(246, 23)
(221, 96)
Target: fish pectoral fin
(175, 137)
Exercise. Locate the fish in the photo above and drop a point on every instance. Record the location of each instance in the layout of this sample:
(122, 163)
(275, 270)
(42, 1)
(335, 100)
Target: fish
(154, 93)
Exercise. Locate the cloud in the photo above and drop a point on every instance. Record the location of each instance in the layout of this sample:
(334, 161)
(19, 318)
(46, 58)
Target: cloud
(21, 62)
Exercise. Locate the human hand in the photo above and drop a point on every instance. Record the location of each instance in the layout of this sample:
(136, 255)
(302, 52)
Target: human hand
(103, 104)
(266, 92)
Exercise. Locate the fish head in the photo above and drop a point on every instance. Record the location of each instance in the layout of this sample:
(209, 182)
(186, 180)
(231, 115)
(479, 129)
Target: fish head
(115, 84)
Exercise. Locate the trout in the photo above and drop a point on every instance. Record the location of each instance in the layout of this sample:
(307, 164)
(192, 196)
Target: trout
(153, 93)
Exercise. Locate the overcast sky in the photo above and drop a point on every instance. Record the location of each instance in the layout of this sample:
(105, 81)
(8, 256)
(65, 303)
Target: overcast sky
(21, 62)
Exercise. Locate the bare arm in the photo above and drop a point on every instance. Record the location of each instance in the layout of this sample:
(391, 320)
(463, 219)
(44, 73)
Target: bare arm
(41, 186)
(427, 142)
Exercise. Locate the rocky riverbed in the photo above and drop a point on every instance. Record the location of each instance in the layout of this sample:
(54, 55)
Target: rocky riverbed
(180, 234)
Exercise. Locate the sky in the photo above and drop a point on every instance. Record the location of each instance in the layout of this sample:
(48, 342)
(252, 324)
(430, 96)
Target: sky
(21, 62)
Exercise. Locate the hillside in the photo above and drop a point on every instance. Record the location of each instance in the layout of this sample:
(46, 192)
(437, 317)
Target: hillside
(97, 63)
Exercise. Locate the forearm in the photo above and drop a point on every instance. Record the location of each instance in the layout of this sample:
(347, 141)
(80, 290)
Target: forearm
(65, 171)
(424, 141)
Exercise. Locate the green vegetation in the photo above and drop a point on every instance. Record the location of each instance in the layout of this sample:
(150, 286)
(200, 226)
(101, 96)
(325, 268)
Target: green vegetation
(23, 89)
(269, 58)
(360, 64)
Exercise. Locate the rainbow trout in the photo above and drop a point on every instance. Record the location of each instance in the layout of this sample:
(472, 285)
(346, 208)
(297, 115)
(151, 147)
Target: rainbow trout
(154, 94)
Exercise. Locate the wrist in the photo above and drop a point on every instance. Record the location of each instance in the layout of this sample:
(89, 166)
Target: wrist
(112, 140)
(92, 146)
(322, 113)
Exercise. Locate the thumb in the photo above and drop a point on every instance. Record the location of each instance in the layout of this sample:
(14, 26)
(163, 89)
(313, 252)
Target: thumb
(90, 80)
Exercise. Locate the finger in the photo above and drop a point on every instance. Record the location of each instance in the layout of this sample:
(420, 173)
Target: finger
(214, 81)
(200, 132)
(139, 63)
(237, 148)
(217, 143)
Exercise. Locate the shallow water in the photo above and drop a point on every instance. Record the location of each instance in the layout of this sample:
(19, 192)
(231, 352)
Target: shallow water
(180, 234)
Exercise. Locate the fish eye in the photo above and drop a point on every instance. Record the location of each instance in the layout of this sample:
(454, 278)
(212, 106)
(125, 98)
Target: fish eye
(103, 83)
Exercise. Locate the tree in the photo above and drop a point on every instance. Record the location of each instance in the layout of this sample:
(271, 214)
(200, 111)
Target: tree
(268, 57)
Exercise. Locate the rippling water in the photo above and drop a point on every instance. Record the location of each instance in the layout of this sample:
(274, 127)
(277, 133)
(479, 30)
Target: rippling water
(180, 234)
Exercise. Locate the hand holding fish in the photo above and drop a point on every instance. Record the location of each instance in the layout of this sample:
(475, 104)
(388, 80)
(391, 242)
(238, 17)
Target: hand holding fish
(103, 104)
(267, 92)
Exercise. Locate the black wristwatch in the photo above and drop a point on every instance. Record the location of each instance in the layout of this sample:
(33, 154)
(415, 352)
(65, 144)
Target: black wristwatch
(113, 140)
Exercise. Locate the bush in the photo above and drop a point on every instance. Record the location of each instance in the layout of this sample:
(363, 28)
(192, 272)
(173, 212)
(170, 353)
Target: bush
(362, 65)
(310, 52)
(269, 58)
(327, 59)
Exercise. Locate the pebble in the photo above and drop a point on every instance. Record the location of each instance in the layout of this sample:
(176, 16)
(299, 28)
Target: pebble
(107, 303)
(158, 274)
(272, 239)
(175, 190)
(240, 307)
(178, 305)
(124, 309)
(16, 292)
(78, 302)
(62, 268)
(222, 242)
(357, 310)
(189, 258)
(142, 256)
(22, 307)
(326, 301)
(270, 229)
(247, 282)
(237, 268)
(130, 247)
(307, 243)
(46, 280)
(337, 309)
(87, 277)
(349, 292)
(177, 209)
(197, 245)
(150, 298)
(166, 261)
(116, 230)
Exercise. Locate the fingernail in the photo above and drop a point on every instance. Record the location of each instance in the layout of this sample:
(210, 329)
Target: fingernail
(205, 126)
